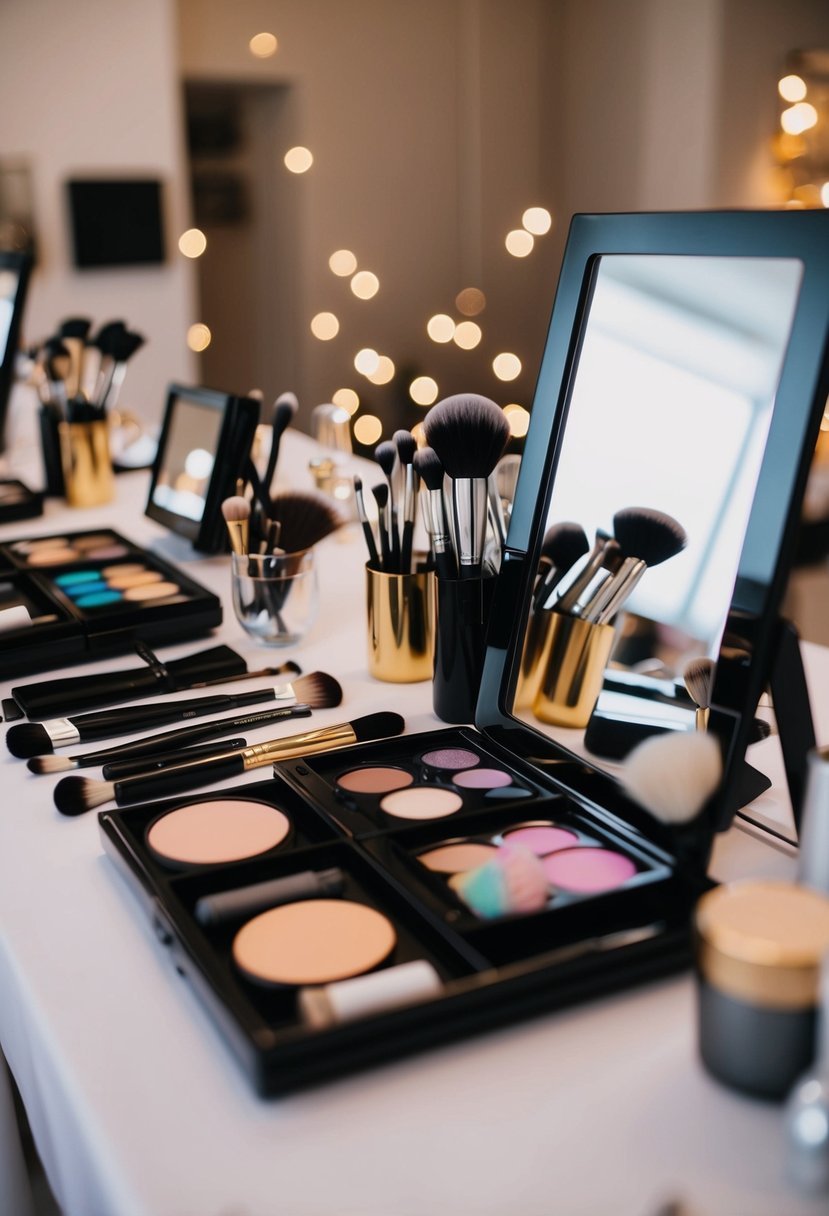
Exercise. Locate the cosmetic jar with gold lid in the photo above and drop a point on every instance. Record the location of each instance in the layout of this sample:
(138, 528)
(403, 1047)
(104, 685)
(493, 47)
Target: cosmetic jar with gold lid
(759, 946)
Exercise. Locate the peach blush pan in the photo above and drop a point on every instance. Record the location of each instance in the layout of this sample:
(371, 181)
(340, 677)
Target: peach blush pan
(223, 830)
(457, 858)
(314, 942)
(379, 780)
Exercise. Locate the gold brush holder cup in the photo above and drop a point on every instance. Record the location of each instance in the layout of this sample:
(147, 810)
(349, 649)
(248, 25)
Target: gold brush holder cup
(87, 466)
(400, 625)
(573, 661)
(531, 668)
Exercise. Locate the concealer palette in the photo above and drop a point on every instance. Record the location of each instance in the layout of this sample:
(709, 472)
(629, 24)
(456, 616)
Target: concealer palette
(92, 594)
(326, 880)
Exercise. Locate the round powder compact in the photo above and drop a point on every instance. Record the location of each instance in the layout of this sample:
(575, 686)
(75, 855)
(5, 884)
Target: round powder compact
(376, 780)
(317, 941)
(451, 757)
(457, 857)
(541, 838)
(223, 830)
(482, 779)
(422, 802)
(588, 871)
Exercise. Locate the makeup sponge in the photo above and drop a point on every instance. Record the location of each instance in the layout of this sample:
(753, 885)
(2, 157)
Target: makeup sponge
(674, 775)
(513, 882)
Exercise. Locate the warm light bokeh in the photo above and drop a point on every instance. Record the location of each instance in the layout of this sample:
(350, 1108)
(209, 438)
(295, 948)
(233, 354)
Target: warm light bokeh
(440, 327)
(298, 160)
(263, 45)
(368, 429)
(537, 220)
(365, 285)
(366, 361)
(342, 262)
(423, 390)
(347, 400)
(792, 88)
(192, 243)
(470, 301)
(518, 418)
(325, 326)
(467, 335)
(198, 337)
(506, 366)
(384, 372)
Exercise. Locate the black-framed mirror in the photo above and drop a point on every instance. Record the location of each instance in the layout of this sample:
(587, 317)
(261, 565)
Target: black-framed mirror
(204, 446)
(15, 269)
(685, 372)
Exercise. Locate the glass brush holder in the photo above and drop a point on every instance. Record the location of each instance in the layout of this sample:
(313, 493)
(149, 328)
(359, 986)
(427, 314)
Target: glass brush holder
(275, 596)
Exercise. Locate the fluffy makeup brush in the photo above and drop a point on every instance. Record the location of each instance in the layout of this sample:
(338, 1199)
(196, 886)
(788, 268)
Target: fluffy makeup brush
(673, 775)
(305, 518)
(512, 883)
(646, 538)
(427, 464)
(74, 332)
(122, 348)
(561, 548)
(284, 409)
(381, 497)
(406, 445)
(469, 434)
(75, 795)
(699, 680)
(386, 456)
(236, 512)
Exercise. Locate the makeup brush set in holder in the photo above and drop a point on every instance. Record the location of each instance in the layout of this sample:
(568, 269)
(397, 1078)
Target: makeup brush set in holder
(79, 377)
(576, 601)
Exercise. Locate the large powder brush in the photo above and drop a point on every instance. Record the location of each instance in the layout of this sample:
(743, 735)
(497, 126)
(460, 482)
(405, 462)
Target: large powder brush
(305, 518)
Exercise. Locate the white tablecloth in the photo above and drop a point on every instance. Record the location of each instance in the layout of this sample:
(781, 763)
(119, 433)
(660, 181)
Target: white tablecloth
(138, 1109)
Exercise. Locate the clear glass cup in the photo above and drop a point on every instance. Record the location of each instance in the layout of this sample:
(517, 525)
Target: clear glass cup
(276, 596)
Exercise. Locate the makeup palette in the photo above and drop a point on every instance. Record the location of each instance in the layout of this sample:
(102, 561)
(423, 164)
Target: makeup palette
(93, 593)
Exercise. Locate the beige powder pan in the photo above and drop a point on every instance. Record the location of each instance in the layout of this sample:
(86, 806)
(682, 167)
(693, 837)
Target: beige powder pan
(216, 832)
(317, 941)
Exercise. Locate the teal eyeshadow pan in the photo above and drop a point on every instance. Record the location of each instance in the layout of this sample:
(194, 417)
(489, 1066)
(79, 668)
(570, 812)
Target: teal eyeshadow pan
(78, 576)
(98, 599)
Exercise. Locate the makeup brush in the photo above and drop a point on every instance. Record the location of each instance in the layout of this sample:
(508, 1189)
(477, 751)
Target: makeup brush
(506, 480)
(673, 775)
(122, 347)
(406, 445)
(305, 517)
(647, 538)
(604, 555)
(386, 456)
(236, 512)
(699, 680)
(74, 332)
(75, 795)
(381, 497)
(316, 691)
(428, 466)
(469, 434)
(561, 548)
(284, 409)
(368, 531)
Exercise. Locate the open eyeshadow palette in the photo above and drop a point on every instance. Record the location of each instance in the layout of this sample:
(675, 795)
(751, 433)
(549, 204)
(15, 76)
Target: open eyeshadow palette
(81, 595)
(337, 886)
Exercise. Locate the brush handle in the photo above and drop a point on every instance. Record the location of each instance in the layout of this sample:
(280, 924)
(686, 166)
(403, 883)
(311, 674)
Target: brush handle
(243, 901)
(124, 721)
(116, 770)
(188, 776)
(469, 507)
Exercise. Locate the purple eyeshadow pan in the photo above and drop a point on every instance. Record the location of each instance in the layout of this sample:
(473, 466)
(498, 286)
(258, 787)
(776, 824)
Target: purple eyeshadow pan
(588, 871)
(451, 757)
(542, 838)
(482, 779)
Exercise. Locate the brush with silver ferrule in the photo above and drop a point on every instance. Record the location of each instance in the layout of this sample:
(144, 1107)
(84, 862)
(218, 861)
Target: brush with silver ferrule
(647, 538)
(603, 556)
(365, 523)
(381, 497)
(75, 795)
(406, 445)
(386, 456)
(469, 434)
(561, 548)
(428, 467)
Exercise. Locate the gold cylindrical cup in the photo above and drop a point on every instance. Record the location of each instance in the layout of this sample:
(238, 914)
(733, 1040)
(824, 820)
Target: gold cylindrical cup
(87, 465)
(533, 657)
(574, 658)
(400, 625)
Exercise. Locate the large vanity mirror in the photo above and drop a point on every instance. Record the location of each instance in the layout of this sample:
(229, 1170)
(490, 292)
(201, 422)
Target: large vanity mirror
(676, 408)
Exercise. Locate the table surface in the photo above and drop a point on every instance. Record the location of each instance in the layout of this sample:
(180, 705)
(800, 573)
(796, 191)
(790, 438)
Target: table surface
(138, 1108)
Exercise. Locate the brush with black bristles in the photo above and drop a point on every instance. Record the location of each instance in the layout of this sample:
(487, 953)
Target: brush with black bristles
(469, 434)
(75, 795)
(561, 548)
(74, 331)
(647, 538)
(368, 531)
(406, 445)
(121, 347)
(699, 681)
(386, 456)
(429, 469)
(603, 557)
(381, 497)
(284, 409)
(305, 517)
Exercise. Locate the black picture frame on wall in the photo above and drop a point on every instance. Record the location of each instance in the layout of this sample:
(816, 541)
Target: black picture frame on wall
(116, 222)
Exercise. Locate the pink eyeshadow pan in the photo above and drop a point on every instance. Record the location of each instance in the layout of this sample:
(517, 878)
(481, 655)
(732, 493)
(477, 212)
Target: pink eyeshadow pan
(482, 779)
(451, 757)
(542, 838)
(588, 871)
(377, 780)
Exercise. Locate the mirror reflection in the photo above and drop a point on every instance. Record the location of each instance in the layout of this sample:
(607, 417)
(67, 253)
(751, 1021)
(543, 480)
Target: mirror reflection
(666, 426)
(187, 464)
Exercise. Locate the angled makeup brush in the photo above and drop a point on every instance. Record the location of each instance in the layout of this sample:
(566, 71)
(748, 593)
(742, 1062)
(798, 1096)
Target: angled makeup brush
(305, 518)
(368, 531)
(381, 497)
(561, 548)
(75, 795)
(386, 456)
(469, 434)
(428, 466)
(647, 538)
(699, 681)
(236, 512)
(406, 445)
(284, 409)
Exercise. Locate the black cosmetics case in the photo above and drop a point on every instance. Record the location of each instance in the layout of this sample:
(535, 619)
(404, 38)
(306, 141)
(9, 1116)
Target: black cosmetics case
(68, 634)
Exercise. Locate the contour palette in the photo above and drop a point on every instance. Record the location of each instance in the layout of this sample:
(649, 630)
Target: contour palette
(95, 593)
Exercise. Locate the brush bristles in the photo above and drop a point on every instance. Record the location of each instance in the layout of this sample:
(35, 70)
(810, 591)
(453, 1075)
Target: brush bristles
(76, 795)
(283, 413)
(699, 679)
(377, 726)
(428, 466)
(305, 518)
(381, 496)
(385, 454)
(235, 509)
(28, 739)
(406, 445)
(319, 690)
(564, 544)
(469, 434)
(650, 535)
(51, 764)
(673, 775)
(287, 400)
